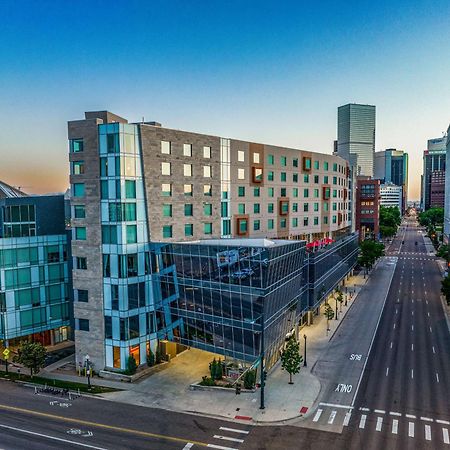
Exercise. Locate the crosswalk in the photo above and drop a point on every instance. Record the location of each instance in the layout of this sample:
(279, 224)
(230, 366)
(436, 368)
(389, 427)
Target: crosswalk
(393, 422)
(227, 438)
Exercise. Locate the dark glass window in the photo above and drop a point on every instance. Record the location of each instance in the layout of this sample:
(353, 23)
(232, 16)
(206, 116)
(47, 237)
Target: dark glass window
(83, 324)
(108, 327)
(82, 295)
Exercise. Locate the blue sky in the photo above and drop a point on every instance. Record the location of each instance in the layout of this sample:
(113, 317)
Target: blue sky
(272, 72)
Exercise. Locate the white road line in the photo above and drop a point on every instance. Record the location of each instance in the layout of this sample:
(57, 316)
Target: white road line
(411, 429)
(396, 311)
(387, 371)
(54, 438)
(426, 301)
(331, 418)
(395, 414)
(379, 411)
(410, 416)
(348, 414)
(391, 344)
(412, 313)
(219, 447)
(188, 446)
(234, 430)
(426, 419)
(437, 377)
(443, 422)
(317, 415)
(428, 432)
(412, 373)
(226, 438)
(412, 327)
(379, 424)
(431, 330)
(334, 405)
(412, 347)
(394, 326)
(434, 351)
(362, 422)
(445, 436)
(364, 409)
(394, 426)
(428, 314)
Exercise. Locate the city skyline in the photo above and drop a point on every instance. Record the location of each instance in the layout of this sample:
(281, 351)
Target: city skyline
(281, 87)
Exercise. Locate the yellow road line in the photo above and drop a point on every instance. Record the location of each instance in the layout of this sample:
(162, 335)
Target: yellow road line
(101, 425)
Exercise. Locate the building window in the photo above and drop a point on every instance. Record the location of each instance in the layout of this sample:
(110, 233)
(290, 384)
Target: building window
(295, 177)
(283, 161)
(305, 207)
(188, 190)
(131, 234)
(81, 263)
(77, 167)
(316, 179)
(294, 222)
(130, 189)
(207, 172)
(207, 228)
(207, 190)
(335, 167)
(206, 152)
(325, 220)
(256, 208)
(166, 147)
(306, 193)
(284, 207)
(305, 221)
(257, 174)
(325, 179)
(78, 189)
(270, 224)
(241, 174)
(335, 180)
(270, 192)
(242, 226)
(316, 207)
(76, 145)
(325, 206)
(167, 210)
(270, 208)
(241, 156)
(241, 191)
(79, 212)
(316, 221)
(255, 158)
(334, 219)
(306, 163)
(188, 229)
(80, 233)
(187, 149)
(207, 209)
(316, 193)
(256, 192)
(295, 192)
(283, 192)
(295, 162)
(325, 165)
(187, 170)
(270, 176)
(241, 208)
(270, 160)
(109, 234)
(256, 225)
(166, 189)
(283, 223)
(167, 231)
(83, 324)
(188, 209)
(283, 176)
(165, 168)
(294, 207)
(82, 295)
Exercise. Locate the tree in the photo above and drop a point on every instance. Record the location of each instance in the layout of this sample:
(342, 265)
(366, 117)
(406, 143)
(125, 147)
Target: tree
(445, 288)
(213, 368)
(131, 365)
(31, 355)
(291, 359)
(370, 251)
(390, 219)
(329, 314)
(339, 296)
(432, 217)
(150, 358)
(444, 252)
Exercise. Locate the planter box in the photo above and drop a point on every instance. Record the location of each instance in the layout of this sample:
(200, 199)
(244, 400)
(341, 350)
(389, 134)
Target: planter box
(141, 373)
(199, 387)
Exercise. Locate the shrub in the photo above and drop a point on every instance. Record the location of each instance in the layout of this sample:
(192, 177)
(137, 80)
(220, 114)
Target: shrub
(131, 366)
(206, 381)
(150, 358)
(250, 379)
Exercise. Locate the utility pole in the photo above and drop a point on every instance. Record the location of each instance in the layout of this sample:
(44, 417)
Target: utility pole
(263, 365)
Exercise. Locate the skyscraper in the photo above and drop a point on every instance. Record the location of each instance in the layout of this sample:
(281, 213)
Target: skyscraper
(433, 160)
(356, 136)
(391, 166)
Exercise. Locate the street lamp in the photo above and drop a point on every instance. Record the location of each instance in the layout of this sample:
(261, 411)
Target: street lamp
(304, 359)
(336, 300)
(88, 371)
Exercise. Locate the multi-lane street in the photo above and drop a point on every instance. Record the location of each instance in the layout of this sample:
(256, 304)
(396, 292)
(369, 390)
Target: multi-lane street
(399, 400)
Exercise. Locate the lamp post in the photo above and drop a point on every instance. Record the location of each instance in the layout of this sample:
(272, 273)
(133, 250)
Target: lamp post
(88, 371)
(304, 351)
(263, 366)
(336, 316)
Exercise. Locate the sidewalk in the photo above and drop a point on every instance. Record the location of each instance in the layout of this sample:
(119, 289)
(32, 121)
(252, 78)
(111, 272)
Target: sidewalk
(170, 390)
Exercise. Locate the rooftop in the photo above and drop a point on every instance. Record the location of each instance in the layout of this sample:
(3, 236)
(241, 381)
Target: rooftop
(7, 191)
(243, 242)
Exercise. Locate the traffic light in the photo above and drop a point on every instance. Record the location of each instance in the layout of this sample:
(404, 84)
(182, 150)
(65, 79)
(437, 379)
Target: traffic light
(265, 375)
(238, 388)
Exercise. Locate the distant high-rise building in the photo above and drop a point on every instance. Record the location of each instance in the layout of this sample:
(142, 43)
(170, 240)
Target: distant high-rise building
(356, 136)
(368, 208)
(391, 196)
(391, 166)
(433, 160)
(447, 191)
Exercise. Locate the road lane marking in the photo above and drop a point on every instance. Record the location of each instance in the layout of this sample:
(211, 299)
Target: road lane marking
(379, 424)
(391, 344)
(387, 371)
(379, 411)
(188, 446)
(443, 422)
(428, 432)
(395, 414)
(410, 416)
(98, 425)
(364, 409)
(437, 377)
(431, 330)
(394, 326)
(445, 436)
(412, 373)
(219, 447)
(234, 430)
(226, 438)
(434, 351)
(426, 419)
(412, 313)
(54, 438)
(412, 327)
(394, 426)
(411, 429)
(331, 418)
(318, 414)
(334, 405)
(362, 422)
(428, 314)
(412, 347)
(347, 416)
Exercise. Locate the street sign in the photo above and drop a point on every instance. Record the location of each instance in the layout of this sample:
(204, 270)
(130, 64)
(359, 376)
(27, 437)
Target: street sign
(6, 353)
